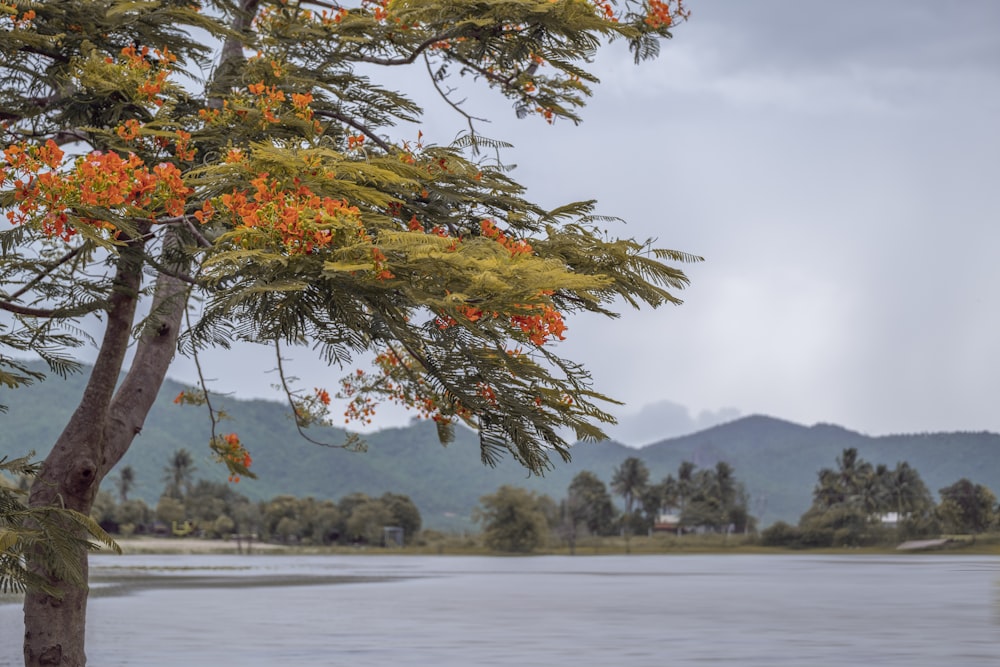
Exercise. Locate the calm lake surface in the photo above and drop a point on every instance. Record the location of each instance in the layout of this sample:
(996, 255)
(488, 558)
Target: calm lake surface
(556, 611)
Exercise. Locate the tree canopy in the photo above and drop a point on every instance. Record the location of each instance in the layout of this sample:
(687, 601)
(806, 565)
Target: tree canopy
(967, 507)
(199, 173)
(851, 501)
(513, 519)
(284, 191)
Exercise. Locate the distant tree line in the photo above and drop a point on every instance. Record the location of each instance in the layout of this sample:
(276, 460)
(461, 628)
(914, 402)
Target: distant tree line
(216, 510)
(708, 500)
(858, 504)
(855, 503)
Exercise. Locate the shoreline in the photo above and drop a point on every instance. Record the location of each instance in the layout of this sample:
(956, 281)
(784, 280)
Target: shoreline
(199, 546)
(191, 545)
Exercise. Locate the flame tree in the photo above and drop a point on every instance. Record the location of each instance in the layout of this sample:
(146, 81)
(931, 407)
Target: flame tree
(195, 174)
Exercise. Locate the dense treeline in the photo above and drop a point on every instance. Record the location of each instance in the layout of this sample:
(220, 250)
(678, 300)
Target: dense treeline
(512, 518)
(855, 503)
(858, 504)
(216, 510)
(709, 500)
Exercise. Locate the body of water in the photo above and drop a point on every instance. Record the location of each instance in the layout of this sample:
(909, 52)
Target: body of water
(623, 611)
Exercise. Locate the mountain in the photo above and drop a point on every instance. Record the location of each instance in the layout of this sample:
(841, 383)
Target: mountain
(776, 460)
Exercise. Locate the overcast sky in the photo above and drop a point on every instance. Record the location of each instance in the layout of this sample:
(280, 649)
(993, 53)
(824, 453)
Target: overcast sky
(837, 165)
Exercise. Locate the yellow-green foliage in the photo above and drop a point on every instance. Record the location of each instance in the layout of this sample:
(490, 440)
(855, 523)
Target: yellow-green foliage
(296, 197)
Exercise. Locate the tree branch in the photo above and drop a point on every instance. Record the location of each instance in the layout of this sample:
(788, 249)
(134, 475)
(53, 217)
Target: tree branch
(55, 265)
(423, 46)
(456, 106)
(202, 241)
(232, 51)
(492, 76)
(349, 444)
(45, 313)
(177, 220)
(70, 136)
(360, 127)
(179, 275)
(202, 382)
(58, 57)
(325, 5)
(51, 313)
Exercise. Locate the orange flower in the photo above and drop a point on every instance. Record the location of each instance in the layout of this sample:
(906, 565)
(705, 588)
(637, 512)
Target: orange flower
(297, 220)
(233, 156)
(205, 213)
(50, 154)
(540, 328)
(660, 14)
(470, 313)
(129, 130)
(301, 101)
(234, 455)
(489, 229)
(182, 149)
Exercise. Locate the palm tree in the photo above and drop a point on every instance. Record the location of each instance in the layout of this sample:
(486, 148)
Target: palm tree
(685, 483)
(829, 491)
(670, 492)
(126, 480)
(651, 501)
(908, 492)
(178, 474)
(855, 480)
(873, 496)
(725, 485)
(629, 481)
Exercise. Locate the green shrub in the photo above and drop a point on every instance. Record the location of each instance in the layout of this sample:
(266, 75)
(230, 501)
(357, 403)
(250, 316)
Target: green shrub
(781, 534)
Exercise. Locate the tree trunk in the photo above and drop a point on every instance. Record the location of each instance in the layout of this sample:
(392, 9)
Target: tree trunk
(96, 437)
(106, 422)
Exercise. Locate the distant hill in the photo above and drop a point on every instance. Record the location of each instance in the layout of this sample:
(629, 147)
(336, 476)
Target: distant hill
(776, 460)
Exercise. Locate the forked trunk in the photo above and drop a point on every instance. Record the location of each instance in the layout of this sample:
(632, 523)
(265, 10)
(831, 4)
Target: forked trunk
(106, 422)
(96, 437)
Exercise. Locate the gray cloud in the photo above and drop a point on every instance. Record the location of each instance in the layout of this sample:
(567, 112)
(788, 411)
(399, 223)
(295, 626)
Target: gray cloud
(665, 419)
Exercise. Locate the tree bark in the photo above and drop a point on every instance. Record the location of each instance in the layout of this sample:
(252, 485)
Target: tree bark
(98, 434)
(106, 422)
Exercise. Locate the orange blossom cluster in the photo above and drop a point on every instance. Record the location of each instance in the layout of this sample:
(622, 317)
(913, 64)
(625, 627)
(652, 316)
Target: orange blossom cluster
(297, 219)
(124, 185)
(231, 451)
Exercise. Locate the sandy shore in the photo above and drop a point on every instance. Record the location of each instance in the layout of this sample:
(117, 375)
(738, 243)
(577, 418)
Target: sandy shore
(189, 545)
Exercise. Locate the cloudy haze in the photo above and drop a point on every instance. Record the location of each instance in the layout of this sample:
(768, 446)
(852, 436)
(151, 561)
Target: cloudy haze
(837, 165)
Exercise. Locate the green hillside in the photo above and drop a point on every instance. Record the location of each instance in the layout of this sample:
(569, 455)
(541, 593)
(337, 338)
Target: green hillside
(776, 460)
